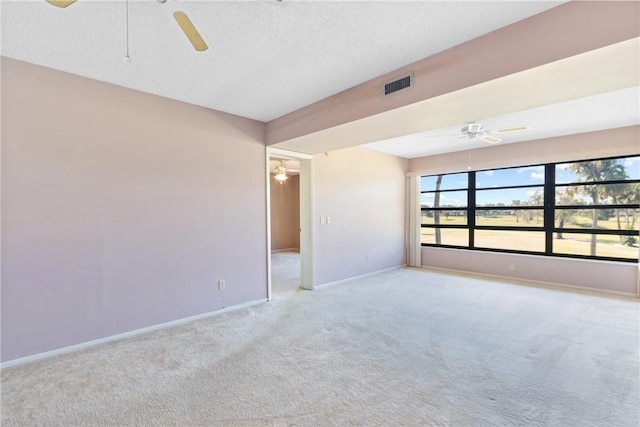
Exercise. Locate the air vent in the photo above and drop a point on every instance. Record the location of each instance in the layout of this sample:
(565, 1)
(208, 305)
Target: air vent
(402, 83)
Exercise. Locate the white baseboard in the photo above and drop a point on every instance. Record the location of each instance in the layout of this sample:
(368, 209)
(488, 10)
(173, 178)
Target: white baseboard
(81, 346)
(529, 282)
(337, 282)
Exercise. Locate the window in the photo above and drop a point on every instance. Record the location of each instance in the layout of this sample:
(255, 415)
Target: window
(585, 209)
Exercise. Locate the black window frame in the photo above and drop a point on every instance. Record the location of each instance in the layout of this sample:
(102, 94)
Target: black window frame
(549, 207)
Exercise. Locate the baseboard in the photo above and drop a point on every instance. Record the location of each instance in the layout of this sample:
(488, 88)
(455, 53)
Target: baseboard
(531, 282)
(337, 282)
(88, 344)
(286, 250)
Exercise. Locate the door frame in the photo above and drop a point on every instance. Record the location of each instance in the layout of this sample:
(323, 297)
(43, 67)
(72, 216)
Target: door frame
(307, 232)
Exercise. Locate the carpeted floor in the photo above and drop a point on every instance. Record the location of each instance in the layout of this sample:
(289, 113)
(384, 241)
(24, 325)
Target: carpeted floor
(403, 348)
(285, 271)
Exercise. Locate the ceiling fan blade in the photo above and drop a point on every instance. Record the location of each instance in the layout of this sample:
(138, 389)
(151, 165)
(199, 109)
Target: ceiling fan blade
(190, 31)
(61, 3)
(513, 129)
(490, 139)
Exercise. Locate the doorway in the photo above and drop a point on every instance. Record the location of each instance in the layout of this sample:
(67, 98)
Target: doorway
(289, 221)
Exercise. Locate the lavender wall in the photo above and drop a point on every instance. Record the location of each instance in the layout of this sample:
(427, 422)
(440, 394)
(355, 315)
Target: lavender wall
(617, 277)
(606, 276)
(285, 213)
(121, 210)
(363, 192)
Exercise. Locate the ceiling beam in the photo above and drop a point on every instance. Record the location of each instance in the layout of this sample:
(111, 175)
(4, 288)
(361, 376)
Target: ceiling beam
(352, 117)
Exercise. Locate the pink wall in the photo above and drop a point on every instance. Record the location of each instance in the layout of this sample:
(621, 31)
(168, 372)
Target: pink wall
(618, 277)
(607, 276)
(121, 210)
(285, 213)
(570, 29)
(363, 192)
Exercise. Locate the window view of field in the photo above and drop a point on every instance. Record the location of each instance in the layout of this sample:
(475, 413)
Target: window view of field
(596, 211)
(579, 244)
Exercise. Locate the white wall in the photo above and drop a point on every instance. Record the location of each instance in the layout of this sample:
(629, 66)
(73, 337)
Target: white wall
(608, 276)
(363, 192)
(121, 210)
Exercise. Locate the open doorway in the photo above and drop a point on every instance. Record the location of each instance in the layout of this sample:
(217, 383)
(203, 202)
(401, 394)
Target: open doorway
(290, 225)
(285, 223)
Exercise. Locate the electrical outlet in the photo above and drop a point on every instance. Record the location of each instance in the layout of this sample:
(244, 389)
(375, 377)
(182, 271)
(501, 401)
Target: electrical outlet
(512, 267)
(322, 220)
(328, 220)
(221, 285)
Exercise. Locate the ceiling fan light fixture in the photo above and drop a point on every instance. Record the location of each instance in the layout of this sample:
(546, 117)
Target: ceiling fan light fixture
(190, 31)
(474, 128)
(61, 3)
(281, 174)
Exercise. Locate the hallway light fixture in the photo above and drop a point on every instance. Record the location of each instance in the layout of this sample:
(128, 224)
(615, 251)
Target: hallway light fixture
(281, 174)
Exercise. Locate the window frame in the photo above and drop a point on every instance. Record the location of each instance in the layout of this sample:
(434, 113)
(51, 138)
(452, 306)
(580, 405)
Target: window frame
(548, 207)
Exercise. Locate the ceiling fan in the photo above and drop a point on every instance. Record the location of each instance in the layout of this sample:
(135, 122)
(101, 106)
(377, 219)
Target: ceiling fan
(476, 130)
(181, 18)
(288, 165)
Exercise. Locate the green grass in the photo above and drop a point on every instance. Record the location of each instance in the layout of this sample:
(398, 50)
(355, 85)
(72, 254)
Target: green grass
(610, 224)
(583, 222)
(579, 244)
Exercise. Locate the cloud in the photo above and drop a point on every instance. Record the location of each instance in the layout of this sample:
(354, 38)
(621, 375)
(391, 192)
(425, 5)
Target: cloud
(488, 173)
(531, 168)
(537, 175)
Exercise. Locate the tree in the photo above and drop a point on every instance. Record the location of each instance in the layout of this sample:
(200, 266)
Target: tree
(516, 212)
(615, 191)
(630, 196)
(536, 199)
(564, 197)
(591, 173)
(436, 213)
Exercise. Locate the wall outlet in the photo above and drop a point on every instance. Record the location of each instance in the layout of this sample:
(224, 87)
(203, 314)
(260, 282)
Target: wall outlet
(512, 267)
(221, 285)
(328, 220)
(322, 220)
(366, 258)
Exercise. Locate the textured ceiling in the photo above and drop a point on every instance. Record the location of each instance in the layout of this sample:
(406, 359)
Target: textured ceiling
(268, 58)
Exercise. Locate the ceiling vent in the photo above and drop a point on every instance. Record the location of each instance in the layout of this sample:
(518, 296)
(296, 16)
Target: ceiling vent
(400, 84)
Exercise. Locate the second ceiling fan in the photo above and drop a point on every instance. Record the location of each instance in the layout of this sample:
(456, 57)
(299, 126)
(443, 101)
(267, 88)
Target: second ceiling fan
(476, 130)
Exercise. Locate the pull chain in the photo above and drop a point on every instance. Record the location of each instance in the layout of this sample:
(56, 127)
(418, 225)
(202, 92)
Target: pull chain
(127, 58)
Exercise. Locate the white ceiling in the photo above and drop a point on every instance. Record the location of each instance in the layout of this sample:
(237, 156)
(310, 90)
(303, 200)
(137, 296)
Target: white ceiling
(609, 110)
(268, 58)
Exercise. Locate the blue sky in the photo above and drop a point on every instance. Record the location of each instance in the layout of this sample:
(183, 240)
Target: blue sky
(528, 175)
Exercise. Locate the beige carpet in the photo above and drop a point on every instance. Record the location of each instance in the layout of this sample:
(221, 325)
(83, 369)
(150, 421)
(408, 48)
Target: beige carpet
(405, 347)
(285, 271)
